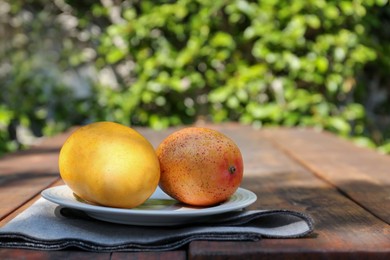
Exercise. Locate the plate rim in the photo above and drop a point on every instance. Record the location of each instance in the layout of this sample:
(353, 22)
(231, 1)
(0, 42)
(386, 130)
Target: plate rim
(218, 209)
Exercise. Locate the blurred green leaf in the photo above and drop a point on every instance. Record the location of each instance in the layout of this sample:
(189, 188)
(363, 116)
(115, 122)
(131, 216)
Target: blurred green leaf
(339, 124)
(162, 63)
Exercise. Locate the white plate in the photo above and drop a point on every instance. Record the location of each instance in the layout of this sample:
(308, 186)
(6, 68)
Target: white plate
(158, 210)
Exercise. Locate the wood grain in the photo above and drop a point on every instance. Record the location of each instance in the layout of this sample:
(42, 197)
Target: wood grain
(341, 225)
(344, 188)
(15, 254)
(27, 204)
(172, 255)
(355, 171)
(25, 174)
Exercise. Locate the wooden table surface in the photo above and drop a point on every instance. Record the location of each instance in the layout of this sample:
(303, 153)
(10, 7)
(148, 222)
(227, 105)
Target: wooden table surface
(345, 189)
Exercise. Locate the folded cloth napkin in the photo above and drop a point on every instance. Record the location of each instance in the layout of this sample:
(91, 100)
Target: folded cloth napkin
(47, 226)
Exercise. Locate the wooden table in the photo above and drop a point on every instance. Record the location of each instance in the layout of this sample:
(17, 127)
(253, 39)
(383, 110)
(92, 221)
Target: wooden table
(345, 189)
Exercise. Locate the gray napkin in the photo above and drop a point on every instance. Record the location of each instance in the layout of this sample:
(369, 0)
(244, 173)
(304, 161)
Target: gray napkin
(47, 226)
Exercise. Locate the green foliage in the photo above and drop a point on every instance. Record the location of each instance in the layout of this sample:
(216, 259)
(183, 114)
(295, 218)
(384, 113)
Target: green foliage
(34, 98)
(6, 143)
(163, 63)
(262, 63)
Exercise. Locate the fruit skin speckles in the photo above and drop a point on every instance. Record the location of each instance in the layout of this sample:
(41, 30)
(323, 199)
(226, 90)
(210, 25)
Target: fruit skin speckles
(199, 166)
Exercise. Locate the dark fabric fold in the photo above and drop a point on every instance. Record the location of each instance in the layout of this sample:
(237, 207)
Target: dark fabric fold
(46, 226)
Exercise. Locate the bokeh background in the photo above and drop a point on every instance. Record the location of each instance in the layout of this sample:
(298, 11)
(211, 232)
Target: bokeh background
(311, 63)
